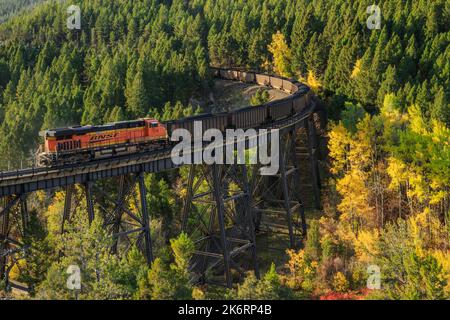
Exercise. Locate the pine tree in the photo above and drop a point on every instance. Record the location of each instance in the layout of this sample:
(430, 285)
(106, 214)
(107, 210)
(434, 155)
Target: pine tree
(170, 282)
(312, 246)
(389, 84)
(4, 75)
(299, 37)
(424, 279)
(136, 95)
(440, 109)
(315, 55)
(260, 97)
(268, 288)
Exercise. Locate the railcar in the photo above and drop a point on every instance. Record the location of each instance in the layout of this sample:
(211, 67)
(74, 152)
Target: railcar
(218, 121)
(280, 109)
(247, 77)
(249, 117)
(299, 101)
(276, 83)
(262, 79)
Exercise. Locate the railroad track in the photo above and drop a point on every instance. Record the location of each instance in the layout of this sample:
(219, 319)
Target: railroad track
(33, 179)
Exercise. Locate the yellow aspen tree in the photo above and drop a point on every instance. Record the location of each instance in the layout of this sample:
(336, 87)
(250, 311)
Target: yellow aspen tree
(426, 231)
(338, 146)
(282, 55)
(397, 171)
(313, 81)
(440, 164)
(366, 153)
(356, 69)
(417, 123)
(361, 154)
(355, 206)
(366, 245)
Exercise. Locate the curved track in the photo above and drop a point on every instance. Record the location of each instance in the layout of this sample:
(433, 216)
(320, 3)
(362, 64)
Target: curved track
(33, 179)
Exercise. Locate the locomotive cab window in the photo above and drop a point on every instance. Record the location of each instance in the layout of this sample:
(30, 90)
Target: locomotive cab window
(154, 125)
(63, 138)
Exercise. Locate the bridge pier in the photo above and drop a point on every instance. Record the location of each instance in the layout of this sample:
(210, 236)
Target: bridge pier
(4, 227)
(279, 204)
(11, 249)
(115, 220)
(89, 203)
(117, 215)
(119, 220)
(24, 213)
(313, 149)
(218, 218)
(67, 207)
(145, 219)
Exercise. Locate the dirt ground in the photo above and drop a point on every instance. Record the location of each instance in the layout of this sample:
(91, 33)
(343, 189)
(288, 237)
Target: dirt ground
(231, 95)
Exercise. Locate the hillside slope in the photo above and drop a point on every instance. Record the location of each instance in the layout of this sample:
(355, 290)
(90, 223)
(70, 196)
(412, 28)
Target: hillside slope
(132, 56)
(9, 8)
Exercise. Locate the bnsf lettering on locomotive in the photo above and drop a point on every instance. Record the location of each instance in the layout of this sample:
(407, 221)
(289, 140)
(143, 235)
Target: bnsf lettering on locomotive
(103, 137)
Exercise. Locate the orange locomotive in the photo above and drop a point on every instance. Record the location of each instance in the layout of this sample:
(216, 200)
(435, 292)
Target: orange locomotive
(84, 143)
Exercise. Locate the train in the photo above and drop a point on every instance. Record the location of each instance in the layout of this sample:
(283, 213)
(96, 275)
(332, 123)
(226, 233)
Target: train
(81, 144)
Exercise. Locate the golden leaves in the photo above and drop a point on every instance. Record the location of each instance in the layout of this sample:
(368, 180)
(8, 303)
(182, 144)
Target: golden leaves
(356, 69)
(282, 55)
